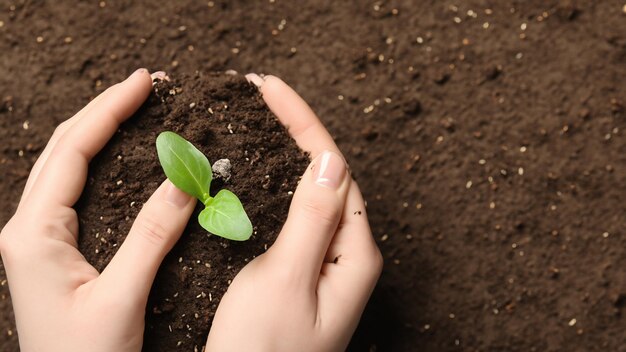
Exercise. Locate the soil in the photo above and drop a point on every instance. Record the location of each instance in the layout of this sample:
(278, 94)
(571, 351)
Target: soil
(487, 138)
(225, 118)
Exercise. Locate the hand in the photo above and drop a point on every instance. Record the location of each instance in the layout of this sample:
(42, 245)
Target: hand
(308, 291)
(61, 303)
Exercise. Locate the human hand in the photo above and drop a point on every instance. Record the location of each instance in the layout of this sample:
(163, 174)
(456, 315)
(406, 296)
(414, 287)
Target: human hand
(61, 302)
(308, 291)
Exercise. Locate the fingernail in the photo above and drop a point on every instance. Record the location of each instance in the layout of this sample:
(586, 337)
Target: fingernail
(330, 170)
(255, 79)
(175, 196)
(160, 75)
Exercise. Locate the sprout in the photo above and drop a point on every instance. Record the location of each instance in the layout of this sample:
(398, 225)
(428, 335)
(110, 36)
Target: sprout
(189, 170)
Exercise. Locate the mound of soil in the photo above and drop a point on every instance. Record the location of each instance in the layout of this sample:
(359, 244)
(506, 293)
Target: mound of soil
(225, 117)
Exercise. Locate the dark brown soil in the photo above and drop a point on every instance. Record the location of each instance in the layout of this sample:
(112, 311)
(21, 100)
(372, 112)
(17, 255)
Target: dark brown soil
(224, 116)
(525, 99)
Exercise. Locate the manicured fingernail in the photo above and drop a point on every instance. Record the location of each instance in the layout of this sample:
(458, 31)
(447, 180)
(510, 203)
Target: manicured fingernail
(160, 75)
(255, 79)
(175, 196)
(330, 170)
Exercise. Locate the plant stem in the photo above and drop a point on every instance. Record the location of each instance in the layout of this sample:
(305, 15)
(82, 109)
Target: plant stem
(206, 198)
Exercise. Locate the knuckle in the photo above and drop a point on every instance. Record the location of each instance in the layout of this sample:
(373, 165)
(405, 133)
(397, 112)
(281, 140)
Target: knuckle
(377, 262)
(61, 128)
(4, 242)
(8, 242)
(321, 213)
(152, 230)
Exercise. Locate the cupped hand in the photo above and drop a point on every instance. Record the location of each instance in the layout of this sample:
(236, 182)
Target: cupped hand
(308, 291)
(61, 302)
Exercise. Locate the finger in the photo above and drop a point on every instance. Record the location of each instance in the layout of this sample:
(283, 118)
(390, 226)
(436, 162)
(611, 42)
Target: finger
(65, 126)
(56, 135)
(353, 241)
(62, 177)
(158, 226)
(295, 114)
(352, 266)
(314, 214)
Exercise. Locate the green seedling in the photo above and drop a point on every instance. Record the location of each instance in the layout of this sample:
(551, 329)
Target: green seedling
(189, 170)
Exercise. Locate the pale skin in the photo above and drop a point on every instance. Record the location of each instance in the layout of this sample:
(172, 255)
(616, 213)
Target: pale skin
(306, 293)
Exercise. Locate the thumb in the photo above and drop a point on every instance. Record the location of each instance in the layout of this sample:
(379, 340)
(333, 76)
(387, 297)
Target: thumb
(158, 226)
(314, 215)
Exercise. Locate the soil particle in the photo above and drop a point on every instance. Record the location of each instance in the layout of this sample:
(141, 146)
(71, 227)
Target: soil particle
(221, 169)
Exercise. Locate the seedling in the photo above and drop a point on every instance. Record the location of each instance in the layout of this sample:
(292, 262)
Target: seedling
(189, 170)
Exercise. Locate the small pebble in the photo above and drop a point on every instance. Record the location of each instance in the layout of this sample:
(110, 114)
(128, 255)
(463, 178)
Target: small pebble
(572, 322)
(222, 169)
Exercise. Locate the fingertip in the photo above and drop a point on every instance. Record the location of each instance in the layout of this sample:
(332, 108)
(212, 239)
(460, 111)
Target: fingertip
(272, 83)
(138, 72)
(255, 79)
(159, 75)
(142, 77)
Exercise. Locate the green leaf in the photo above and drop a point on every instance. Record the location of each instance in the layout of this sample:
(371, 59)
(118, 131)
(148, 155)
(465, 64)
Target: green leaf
(224, 216)
(184, 165)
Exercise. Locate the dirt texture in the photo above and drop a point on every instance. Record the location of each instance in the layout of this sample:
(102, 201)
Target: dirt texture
(486, 136)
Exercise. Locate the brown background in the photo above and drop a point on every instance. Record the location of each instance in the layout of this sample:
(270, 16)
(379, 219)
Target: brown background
(502, 264)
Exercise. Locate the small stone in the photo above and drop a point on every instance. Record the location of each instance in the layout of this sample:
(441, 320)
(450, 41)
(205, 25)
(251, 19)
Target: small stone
(572, 322)
(222, 169)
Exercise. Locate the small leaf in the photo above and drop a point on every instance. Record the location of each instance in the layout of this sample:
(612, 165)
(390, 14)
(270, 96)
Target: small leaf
(184, 165)
(224, 216)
